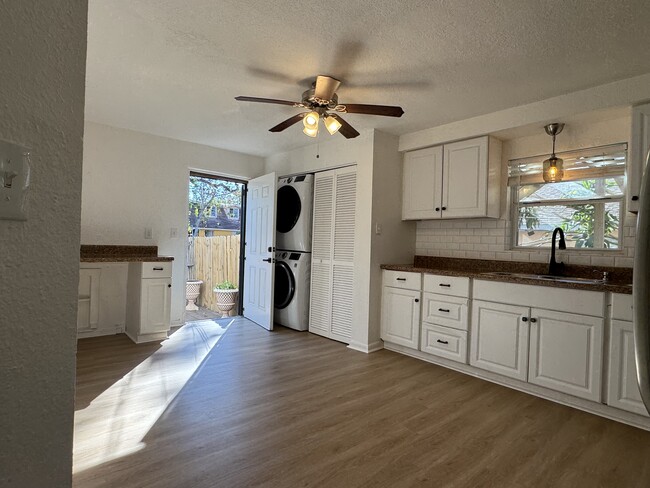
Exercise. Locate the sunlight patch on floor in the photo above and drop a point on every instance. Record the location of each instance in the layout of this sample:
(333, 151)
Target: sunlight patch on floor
(115, 422)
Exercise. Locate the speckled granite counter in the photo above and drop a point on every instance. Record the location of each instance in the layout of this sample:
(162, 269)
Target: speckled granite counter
(619, 281)
(120, 254)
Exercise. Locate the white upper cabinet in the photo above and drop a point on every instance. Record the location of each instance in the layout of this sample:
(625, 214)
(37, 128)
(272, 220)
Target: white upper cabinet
(456, 180)
(639, 146)
(422, 184)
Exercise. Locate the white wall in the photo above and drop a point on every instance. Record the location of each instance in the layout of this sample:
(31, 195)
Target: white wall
(133, 180)
(490, 238)
(396, 243)
(42, 98)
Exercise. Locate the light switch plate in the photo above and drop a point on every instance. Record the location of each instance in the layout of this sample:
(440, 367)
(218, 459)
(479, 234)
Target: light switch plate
(148, 233)
(14, 181)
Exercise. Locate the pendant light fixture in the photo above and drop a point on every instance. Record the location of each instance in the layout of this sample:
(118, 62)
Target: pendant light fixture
(553, 167)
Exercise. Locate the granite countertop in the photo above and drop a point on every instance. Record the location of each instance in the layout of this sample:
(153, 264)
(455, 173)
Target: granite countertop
(120, 254)
(619, 281)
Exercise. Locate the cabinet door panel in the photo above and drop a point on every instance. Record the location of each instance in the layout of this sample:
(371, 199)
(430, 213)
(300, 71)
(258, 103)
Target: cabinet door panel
(421, 183)
(400, 316)
(566, 353)
(465, 176)
(499, 338)
(88, 298)
(156, 298)
(623, 391)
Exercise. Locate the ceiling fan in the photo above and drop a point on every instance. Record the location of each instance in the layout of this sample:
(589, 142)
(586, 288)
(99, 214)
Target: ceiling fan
(321, 101)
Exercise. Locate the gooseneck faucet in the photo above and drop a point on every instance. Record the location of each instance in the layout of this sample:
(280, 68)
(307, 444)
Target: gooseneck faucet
(554, 268)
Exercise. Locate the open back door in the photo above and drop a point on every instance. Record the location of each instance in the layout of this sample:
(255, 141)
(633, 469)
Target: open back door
(259, 270)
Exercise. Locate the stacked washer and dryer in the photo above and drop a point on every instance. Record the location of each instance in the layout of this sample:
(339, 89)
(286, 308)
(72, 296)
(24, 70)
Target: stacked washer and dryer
(293, 251)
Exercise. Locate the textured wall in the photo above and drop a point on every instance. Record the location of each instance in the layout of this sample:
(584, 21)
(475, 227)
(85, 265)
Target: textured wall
(42, 55)
(133, 180)
(491, 238)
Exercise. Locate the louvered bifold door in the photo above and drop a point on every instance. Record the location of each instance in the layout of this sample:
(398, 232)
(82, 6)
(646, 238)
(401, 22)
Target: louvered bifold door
(343, 254)
(320, 314)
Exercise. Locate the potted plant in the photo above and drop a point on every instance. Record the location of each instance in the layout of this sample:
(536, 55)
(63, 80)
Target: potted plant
(226, 293)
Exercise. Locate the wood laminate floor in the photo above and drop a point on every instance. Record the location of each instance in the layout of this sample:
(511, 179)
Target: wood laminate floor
(291, 409)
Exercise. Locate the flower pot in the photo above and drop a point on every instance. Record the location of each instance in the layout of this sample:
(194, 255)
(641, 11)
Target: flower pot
(226, 301)
(192, 292)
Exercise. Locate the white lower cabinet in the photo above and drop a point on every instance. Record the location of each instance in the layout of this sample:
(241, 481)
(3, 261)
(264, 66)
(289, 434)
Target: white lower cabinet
(400, 316)
(88, 299)
(445, 342)
(148, 301)
(499, 338)
(623, 390)
(566, 352)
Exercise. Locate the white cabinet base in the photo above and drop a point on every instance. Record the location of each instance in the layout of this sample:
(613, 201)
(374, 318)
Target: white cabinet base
(142, 338)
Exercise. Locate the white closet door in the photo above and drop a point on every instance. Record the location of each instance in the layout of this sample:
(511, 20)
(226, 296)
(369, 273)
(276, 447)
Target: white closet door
(321, 263)
(343, 254)
(332, 272)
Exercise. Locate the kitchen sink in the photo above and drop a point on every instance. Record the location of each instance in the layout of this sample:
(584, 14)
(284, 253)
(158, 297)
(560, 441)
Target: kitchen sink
(544, 277)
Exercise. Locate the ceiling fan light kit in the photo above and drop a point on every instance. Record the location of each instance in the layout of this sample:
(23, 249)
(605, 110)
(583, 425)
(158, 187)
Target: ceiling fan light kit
(318, 100)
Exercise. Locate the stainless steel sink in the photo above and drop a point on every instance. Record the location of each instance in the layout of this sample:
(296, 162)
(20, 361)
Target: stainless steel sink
(560, 279)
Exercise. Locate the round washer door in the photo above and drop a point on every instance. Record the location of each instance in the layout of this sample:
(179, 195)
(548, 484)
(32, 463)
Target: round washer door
(289, 207)
(285, 285)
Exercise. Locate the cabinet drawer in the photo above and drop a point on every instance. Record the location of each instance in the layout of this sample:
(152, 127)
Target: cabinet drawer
(457, 286)
(622, 307)
(157, 270)
(402, 279)
(445, 310)
(445, 342)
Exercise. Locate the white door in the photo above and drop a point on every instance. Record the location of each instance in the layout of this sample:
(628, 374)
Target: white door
(259, 270)
(622, 388)
(155, 303)
(400, 316)
(465, 176)
(422, 184)
(566, 352)
(499, 338)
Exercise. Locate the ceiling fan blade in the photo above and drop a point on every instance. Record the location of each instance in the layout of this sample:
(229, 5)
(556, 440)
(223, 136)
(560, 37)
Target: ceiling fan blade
(386, 110)
(287, 123)
(325, 87)
(346, 129)
(266, 100)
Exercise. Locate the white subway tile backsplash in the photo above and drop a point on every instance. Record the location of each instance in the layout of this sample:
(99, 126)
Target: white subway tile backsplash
(624, 262)
(490, 239)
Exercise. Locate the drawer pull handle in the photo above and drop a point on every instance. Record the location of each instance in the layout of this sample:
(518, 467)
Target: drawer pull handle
(442, 342)
(400, 279)
(158, 269)
(445, 285)
(446, 310)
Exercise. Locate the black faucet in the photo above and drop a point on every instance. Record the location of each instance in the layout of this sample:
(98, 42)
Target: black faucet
(554, 268)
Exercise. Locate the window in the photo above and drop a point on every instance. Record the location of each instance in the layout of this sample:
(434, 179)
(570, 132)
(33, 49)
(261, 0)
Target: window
(587, 204)
(213, 212)
(233, 213)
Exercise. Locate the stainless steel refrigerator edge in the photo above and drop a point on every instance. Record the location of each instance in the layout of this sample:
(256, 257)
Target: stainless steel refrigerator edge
(641, 290)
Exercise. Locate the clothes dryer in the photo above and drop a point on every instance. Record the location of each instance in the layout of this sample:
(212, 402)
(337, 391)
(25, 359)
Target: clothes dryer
(294, 213)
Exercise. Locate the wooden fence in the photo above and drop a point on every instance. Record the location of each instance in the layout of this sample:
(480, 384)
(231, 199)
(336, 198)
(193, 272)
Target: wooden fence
(213, 260)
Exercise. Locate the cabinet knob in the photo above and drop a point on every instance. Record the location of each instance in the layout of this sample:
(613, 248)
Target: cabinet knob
(417, 300)
(635, 198)
(524, 319)
(533, 320)
(169, 286)
(444, 208)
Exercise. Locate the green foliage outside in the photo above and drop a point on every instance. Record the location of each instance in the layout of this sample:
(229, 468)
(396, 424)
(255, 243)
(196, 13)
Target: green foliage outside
(206, 193)
(225, 285)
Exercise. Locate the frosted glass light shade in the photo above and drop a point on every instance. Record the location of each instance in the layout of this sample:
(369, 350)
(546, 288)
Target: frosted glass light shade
(311, 132)
(310, 121)
(332, 124)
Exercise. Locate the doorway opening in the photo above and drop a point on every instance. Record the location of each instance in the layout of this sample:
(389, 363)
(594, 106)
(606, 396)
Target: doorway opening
(215, 227)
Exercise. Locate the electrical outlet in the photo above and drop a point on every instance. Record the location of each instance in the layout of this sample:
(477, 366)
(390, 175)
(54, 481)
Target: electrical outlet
(14, 181)
(173, 233)
(148, 233)
(378, 229)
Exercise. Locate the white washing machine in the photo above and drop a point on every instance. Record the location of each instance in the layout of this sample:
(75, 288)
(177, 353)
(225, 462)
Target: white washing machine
(291, 294)
(294, 213)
